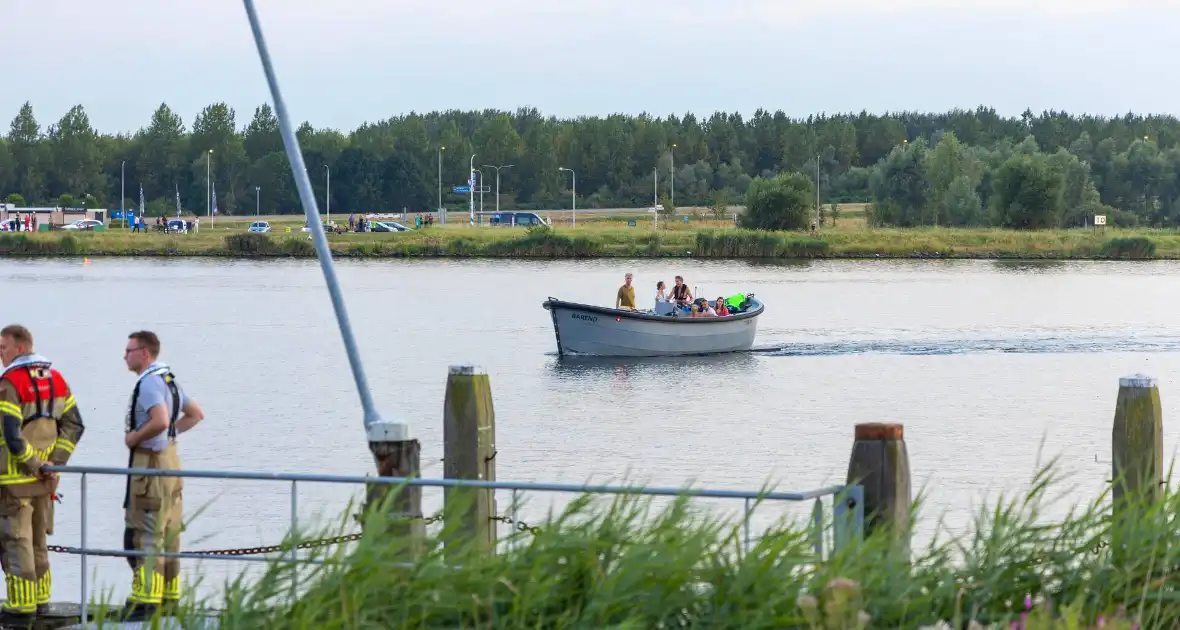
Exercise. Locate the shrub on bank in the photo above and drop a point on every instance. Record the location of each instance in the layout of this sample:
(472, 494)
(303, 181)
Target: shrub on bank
(1129, 247)
(545, 242)
(758, 244)
(24, 244)
(619, 563)
(259, 244)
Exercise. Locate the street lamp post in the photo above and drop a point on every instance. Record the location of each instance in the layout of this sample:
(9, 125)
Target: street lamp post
(328, 194)
(573, 195)
(122, 192)
(471, 190)
(672, 179)
(440, 150)
(498, 181)
(208, 186)
(257, 201)
(480, 195)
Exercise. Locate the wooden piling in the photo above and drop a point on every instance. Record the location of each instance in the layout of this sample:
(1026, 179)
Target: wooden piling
(1137, 442)
(881, 464)
(397, 455)
(469, 436)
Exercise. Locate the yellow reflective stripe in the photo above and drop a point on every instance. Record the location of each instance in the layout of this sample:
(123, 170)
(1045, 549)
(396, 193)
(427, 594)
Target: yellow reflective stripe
(11, 409)
(12, 481)
(44, 587)
(70, 403)
(25, 456)
(64, 445)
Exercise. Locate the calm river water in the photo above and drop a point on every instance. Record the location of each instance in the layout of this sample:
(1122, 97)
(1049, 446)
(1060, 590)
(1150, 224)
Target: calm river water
(990, 365)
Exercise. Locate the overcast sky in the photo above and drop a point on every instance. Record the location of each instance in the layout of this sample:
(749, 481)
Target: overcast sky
(343, 62)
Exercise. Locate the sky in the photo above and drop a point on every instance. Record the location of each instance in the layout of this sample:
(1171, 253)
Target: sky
(344, 62)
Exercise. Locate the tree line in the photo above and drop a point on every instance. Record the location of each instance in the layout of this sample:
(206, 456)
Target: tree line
(963, 167)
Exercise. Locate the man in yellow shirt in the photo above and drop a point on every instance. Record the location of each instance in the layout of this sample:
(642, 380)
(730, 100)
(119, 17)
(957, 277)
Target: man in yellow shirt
(626, 296)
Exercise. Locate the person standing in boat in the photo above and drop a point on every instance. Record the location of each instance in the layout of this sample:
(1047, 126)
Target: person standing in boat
(159, 411)
(41, 425)
(680, 293)
(626, 295)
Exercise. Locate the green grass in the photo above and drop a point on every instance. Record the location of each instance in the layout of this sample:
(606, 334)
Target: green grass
(618, 563)
(610, 238)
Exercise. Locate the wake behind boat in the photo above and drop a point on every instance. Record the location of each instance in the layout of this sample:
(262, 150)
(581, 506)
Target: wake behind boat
(585, 329)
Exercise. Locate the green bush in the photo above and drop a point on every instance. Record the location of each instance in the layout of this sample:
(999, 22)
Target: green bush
(757, 244)
(296, 246)
(1129, 247)
(68, 244)
(250, 244)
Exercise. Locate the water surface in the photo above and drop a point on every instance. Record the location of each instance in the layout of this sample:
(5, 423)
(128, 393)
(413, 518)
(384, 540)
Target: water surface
(991, 366)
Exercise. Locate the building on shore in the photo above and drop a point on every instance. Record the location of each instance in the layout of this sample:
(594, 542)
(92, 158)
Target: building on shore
(51, 216)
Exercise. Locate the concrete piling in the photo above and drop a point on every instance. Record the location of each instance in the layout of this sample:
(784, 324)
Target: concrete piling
(881, 464)
(469, 437)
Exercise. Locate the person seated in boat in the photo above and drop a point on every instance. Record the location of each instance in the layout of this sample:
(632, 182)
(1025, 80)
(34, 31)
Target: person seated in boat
(720, 307)
(680, 293)
(625, 299)
(702, 308)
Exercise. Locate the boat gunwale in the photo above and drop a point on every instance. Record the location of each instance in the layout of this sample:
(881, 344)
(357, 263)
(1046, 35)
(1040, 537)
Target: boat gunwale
(552, 303)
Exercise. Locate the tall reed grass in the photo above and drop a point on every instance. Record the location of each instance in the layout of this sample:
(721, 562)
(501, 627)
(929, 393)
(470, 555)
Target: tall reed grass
(618, 563)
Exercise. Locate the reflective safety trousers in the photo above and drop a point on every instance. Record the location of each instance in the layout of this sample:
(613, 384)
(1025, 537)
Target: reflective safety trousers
(153, 524)
(24, 551)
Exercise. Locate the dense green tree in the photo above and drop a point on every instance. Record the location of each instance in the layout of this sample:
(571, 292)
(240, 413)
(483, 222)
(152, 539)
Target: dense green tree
(915, 168)
(1029, 193)
(782, 202)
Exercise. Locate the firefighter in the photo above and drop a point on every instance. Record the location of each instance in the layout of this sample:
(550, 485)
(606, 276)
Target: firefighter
(40, 423)
(159, 411)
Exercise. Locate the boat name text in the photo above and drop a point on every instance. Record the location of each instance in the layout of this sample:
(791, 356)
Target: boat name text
(589, 318)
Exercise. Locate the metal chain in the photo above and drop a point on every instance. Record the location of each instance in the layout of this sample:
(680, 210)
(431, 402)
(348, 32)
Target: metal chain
(253, 551)
(518, 525)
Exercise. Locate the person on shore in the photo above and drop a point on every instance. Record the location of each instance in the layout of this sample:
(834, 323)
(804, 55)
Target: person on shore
(626, 295)
(159, 411)
(41, 424)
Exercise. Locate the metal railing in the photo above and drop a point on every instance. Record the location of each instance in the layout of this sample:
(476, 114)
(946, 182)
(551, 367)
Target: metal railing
(847, 507)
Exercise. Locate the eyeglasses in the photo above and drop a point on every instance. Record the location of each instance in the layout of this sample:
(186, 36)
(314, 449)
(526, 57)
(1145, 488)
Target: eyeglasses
(130, 350)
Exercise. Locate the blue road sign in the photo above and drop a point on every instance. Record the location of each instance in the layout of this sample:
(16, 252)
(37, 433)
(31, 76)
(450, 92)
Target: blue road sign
(461, 189)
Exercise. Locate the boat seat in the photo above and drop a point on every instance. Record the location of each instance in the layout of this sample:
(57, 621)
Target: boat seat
(665, 308)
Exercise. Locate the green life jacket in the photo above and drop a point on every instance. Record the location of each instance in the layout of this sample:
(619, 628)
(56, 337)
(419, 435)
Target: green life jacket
(734, 302)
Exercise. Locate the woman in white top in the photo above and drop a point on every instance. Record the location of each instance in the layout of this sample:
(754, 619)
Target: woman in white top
(661, 295)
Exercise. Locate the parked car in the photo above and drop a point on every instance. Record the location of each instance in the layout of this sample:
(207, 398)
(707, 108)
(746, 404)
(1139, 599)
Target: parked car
(82, 224)
(388, 226)
(259, 226)
(518, 218)
(176, 226)
(329, 226)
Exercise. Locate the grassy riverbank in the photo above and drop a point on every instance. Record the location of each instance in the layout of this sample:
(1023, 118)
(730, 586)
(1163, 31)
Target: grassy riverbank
(614, 565)
(604, 239)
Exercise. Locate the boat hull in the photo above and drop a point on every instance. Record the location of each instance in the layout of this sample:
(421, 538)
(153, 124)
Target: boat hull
(583, 329)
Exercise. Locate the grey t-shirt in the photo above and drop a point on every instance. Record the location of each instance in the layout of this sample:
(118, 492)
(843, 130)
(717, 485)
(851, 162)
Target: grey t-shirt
(154, 391)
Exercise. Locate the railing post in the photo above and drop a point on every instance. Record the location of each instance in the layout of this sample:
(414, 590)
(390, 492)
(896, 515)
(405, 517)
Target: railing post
(881, 464)
(82, 542)
(397, 455)
(469, 436)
